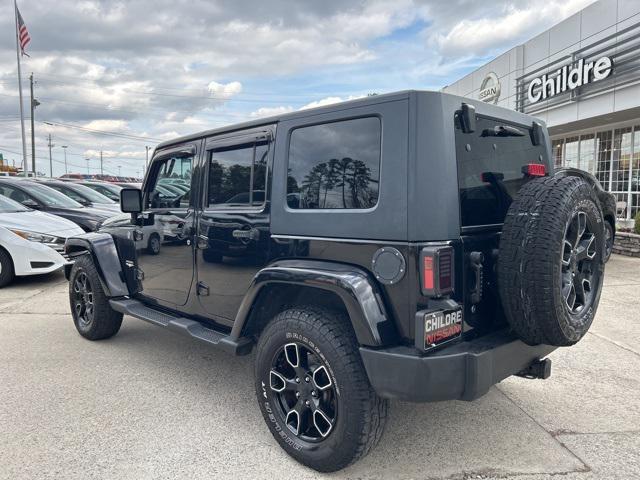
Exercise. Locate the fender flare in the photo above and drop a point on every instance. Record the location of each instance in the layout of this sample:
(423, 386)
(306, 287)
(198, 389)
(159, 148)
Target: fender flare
(355, 287)
(103, 251)
(607, 200)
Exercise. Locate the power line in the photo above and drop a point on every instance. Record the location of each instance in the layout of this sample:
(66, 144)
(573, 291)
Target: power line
(102, 132)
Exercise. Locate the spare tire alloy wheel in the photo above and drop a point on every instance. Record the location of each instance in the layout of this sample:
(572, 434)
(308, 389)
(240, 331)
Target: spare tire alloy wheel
(304, 392)
(578, 257)
(551, 260)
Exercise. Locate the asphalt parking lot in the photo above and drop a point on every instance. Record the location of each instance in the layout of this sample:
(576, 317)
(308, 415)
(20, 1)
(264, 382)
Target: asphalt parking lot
(150, 404)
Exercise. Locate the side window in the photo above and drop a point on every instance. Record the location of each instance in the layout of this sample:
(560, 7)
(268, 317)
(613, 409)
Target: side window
(237, 175)
(14, 194)
(172, 186)
(69, 193)
(335, 165)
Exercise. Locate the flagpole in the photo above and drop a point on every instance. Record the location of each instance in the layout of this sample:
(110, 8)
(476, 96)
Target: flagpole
(24, 139)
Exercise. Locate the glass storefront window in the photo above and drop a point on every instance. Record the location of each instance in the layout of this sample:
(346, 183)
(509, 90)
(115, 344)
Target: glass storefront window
(556, 147)
(635, 173)
(621, 159)
(603, 147)
(613, 156)
(571, 152)
(587, 159)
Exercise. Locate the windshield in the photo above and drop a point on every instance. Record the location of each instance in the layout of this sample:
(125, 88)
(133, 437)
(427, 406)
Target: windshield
(9, 206)
(490, 168)
(89, 194)
(50, 197)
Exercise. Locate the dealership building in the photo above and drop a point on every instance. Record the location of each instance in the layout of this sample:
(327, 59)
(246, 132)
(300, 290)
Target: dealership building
(582, 77)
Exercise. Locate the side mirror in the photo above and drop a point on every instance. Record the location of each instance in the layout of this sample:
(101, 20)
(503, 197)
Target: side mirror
(31, 204)
(131, 200)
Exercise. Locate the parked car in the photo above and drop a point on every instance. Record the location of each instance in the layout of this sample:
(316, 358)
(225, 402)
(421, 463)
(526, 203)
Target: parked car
(412, 246)
(84, 195)
(147, 239)
(37, 196)
(110, 190)
(31, 242)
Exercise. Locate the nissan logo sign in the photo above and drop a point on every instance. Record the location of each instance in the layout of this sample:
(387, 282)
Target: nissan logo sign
(490, 88)
(569, 78)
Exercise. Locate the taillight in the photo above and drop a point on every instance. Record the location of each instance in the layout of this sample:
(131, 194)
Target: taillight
(534, 170)
(436, 271)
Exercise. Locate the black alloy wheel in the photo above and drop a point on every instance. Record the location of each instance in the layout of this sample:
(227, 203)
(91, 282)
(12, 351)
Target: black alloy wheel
(578, 255)
(92, 315)
(83, 300)
(608, 241)
(306, 397)
(313, 390)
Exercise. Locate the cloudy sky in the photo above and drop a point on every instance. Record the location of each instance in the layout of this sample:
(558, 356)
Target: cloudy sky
(117, 76)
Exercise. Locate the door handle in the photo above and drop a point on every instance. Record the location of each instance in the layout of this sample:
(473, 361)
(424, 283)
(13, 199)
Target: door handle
(251, 234)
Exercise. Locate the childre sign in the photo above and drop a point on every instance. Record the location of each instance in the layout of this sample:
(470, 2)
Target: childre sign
(569, 78)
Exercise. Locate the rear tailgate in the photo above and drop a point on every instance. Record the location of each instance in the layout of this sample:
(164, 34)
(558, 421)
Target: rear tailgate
(494, 161)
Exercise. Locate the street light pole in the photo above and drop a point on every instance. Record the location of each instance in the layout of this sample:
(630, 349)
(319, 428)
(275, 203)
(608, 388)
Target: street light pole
(101, 171)
(65, 158)
(34, 104)
(50, 158)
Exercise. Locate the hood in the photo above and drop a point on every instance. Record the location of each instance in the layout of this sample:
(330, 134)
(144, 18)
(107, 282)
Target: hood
(111, 208)
(39, 222)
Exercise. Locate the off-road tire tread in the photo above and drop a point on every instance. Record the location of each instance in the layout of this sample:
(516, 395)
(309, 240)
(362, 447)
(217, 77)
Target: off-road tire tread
(526, 266)
(335, 328)
(106, 321)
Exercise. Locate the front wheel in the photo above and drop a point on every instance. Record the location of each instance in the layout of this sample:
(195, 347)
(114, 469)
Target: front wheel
(92, 315)
(313, 391)
(608, 241)
(6, 268)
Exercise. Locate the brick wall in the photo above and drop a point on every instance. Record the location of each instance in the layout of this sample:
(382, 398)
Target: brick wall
(627, 244)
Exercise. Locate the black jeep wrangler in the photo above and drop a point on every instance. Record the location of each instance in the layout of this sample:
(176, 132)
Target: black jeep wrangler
(414, 246)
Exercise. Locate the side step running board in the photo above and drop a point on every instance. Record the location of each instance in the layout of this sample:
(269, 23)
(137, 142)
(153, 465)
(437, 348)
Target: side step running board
(185, 326)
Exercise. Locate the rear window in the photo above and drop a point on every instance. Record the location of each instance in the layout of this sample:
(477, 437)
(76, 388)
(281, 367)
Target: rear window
(490, 162)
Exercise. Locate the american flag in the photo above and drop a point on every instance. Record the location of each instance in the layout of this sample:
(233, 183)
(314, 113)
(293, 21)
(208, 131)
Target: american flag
(23, 33)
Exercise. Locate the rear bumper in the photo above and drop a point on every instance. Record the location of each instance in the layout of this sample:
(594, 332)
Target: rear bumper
(463, 371)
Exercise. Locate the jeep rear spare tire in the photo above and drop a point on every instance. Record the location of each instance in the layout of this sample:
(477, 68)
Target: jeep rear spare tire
(550, 265)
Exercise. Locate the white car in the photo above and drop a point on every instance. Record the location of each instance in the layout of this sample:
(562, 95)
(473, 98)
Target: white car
(31, 242)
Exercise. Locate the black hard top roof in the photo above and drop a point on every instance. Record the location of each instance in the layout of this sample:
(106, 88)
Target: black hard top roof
(369, 100)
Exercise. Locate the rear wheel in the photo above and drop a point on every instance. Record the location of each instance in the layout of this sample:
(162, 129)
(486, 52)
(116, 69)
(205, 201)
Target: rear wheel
(6, 268)
(550, 267)
(92, 315)
(608, 241)
(153, 246)
(313, 391)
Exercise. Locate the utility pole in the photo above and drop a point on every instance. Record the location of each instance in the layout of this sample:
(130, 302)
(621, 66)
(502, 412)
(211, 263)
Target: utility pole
(101, 171)
(50, 159)
(34, 104)
(146, 162)
(87, 159)
(119, 167)
(65, 158)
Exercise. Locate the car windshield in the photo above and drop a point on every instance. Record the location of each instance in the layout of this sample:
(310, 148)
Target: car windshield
(49, 196)
(9, 206)
(90, 194)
